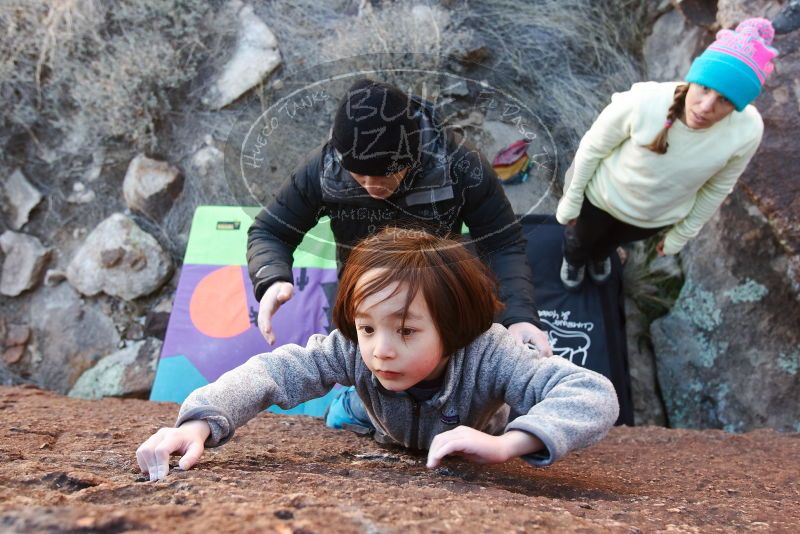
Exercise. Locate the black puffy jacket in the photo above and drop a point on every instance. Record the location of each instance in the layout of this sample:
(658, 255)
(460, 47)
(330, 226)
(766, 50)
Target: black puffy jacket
(453, 184)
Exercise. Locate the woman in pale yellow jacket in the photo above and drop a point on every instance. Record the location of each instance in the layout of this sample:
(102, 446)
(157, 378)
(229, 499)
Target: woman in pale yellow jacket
(665, 155)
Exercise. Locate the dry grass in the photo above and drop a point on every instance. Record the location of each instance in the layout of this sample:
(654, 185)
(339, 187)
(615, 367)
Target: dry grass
(95, 70)
(564, 57)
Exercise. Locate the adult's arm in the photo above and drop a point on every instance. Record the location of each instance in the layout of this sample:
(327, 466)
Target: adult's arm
(609, 130)
(280, 227)
(710, 196)
(497, 235)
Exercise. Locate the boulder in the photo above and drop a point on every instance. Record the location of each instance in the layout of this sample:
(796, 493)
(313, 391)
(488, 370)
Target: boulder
(9, 377)
(648, 409)
(697, 12)
(788, 20)
(69, 336)
(151, 186)
(25, 260)
(771, 179)
(157, 319)
(732, 12)
(22, 197)
(728, 353)
(68, 465)
(126, 373)
(80, 194)
(119, 259)
(671, 47)
(255, 57)
(15, 342)
(54, 276)
(208, 161)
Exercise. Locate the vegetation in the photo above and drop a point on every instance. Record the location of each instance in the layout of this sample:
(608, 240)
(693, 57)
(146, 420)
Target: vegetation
(93, 70)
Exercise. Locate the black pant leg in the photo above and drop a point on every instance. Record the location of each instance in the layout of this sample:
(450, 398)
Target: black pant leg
(620, 233)
(591, 227)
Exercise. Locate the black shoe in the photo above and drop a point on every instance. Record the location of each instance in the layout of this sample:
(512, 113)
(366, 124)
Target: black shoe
(572, 275)
(600, 271)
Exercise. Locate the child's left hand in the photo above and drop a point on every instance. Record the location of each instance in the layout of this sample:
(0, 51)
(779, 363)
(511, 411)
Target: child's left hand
(482, 448)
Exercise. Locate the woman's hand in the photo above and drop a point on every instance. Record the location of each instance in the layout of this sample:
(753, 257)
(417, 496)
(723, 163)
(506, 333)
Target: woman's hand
(188, 440)
(480, 447)
(660, 248)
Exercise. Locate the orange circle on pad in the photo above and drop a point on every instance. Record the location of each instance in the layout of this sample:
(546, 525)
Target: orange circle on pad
(218, 306)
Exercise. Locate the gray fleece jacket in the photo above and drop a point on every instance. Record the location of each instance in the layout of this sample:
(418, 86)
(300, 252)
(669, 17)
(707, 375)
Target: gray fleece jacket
(492, 385)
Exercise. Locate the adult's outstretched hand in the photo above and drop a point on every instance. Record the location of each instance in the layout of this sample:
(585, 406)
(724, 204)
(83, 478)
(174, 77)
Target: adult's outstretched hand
(275, 296)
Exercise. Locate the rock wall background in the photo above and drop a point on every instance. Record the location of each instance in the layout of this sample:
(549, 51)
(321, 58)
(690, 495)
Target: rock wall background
(98, 193)
(728, 352)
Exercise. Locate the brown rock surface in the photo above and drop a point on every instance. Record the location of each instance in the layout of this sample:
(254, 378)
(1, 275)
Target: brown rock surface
(68, 465)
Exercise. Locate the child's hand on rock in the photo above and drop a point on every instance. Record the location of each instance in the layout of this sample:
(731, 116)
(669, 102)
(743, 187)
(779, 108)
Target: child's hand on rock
(480, 447)
(188, 440)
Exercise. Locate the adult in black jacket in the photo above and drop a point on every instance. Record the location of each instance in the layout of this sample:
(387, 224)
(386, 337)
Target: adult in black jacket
(389, 162)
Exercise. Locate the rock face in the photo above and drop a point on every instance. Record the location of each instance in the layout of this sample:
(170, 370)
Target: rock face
(256, 56)
(68, 465)
(732, 12)
(69, 336)
(729, 351)
(698, 12)
(25, 260)
(125, 373)
(728, 354)
(647, 405)
(80, 194)
(151, 186)
(119, 259)
(9, 378)
(15, 342)
(21, 198)
(671, 47)
(771, 180)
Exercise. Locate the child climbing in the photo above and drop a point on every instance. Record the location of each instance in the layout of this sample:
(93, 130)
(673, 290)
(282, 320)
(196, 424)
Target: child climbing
(665, 155)
(415, 337)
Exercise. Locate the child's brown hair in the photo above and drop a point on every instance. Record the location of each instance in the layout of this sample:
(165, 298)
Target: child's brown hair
(458, 288)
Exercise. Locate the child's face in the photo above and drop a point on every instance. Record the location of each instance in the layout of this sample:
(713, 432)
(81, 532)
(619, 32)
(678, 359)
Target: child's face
(399, 358)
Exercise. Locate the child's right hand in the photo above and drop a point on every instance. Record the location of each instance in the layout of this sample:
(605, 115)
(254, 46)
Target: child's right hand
(188, 440)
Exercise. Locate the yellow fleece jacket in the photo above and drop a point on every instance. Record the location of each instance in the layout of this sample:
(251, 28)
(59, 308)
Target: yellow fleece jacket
(682, 188)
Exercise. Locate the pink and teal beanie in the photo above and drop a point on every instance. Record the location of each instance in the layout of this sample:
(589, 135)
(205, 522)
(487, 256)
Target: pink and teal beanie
(737, 63)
